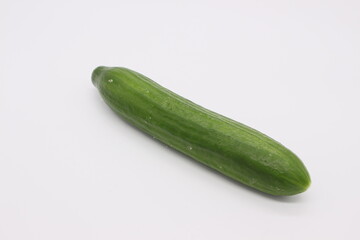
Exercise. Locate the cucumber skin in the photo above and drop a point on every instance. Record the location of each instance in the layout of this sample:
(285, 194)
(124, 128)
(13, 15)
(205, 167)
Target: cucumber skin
(235, 150)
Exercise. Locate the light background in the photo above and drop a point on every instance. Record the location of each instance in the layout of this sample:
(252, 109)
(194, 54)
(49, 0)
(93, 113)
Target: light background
(71, 169)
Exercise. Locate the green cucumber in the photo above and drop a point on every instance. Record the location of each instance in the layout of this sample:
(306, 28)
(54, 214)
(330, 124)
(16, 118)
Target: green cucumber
(235, 150)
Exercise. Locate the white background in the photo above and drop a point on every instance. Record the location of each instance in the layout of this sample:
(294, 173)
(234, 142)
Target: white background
(71, 169)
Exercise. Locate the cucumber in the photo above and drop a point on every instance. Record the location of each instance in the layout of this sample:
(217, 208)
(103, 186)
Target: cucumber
(234, 149)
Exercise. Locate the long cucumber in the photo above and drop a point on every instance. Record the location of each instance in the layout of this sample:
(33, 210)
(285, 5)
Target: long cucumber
(235, 150)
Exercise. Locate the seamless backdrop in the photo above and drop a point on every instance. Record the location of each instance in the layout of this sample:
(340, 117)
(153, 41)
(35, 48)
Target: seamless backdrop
(71, 169)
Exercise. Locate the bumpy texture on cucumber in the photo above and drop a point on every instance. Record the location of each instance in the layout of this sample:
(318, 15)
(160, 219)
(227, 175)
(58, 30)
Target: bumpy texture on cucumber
(231, 148)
